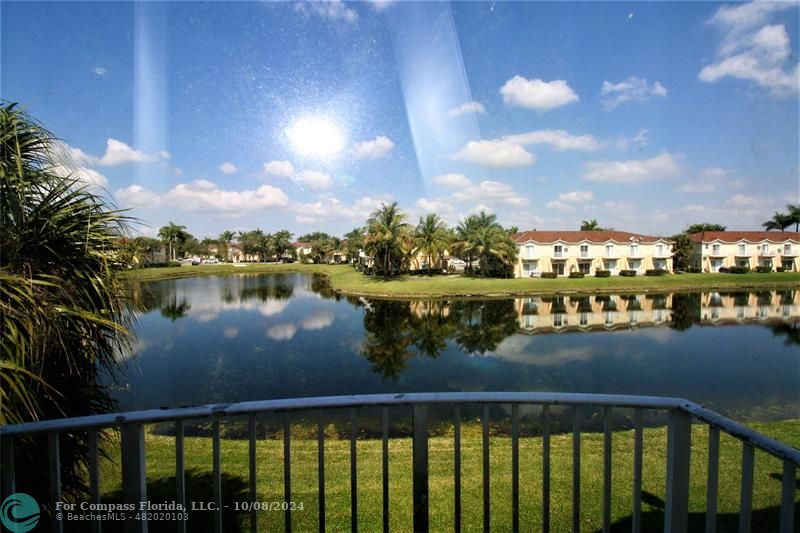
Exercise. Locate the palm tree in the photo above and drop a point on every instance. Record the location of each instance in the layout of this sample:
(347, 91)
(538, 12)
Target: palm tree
(590, 225)
(64, 318)
(480, 236)
(794, 215)
(431, 238)
(172, 234)
(779, 221)
(387, 236)
(355, 243)
(225, 238)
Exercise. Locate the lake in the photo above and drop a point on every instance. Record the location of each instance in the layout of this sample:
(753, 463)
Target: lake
(257, 337)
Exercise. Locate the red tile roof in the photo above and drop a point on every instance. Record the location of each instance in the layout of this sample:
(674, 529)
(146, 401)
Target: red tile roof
(582, 236)
(749, 236)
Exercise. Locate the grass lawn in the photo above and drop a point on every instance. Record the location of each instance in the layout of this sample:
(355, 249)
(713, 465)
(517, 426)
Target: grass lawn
(346, 279)
(161, 482)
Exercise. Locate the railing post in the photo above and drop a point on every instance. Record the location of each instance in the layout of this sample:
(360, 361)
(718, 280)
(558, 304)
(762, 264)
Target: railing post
(679, 442)
(420, 467)
(134, 481)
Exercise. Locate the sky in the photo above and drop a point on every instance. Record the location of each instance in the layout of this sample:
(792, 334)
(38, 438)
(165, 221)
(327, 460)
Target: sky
(308, 116)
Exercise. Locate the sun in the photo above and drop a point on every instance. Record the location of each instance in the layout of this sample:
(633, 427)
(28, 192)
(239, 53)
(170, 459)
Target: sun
(316, 137)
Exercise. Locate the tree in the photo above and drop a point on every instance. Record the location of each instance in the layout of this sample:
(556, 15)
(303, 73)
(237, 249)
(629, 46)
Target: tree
(481, 237)
(64, 318)
(282, 243)
(590, 225)
(171, 235)
(682, 249)
(225, 239)
(794, 215)
(779, 221)
(387, 236)
(704, 226)
(256, 242)
(431, 239)
(355, 243)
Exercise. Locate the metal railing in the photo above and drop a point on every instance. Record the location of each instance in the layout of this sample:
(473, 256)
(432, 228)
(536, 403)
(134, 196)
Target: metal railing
(682, 413)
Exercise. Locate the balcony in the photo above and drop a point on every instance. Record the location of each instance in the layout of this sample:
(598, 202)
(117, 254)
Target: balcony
(716, 252)
(584, 255)
(789, 252)
(767, 253)
(680, 416)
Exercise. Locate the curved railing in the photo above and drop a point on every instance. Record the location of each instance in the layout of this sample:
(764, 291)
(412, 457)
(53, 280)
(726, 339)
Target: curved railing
(681, 414)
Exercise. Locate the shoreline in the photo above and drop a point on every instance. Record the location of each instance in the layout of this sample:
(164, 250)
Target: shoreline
(345, 280)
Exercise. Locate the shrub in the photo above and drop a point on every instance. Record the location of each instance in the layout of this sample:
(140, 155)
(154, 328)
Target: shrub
(576, 274)
(739, 270)
(627, 273)
(174, 263)
(602, 273)
(779, 269)
(655, 272)
(549, 275)
(762, 269)
(693, 270)
(723, 270)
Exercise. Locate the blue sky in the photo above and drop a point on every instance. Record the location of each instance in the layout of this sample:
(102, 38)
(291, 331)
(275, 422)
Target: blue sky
(306, 116)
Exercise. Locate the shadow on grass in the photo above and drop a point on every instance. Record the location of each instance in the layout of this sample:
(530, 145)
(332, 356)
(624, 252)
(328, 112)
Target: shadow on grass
(762, 520)
(199, 487)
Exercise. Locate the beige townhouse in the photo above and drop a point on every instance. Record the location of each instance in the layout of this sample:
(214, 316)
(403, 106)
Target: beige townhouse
(716, 249)
(564, 252)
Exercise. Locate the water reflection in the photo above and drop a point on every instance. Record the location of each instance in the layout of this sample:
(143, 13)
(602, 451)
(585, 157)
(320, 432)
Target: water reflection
(252, 337)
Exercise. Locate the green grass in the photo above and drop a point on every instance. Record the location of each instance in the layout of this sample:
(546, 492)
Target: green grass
(347, 280)
(161, 460)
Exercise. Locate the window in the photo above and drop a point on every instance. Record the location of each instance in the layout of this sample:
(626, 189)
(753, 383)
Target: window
(584, 267)
(530, 267)
(584, 250)
(609, 250)
(610, 265)
(634, 251)
(558, 268)
(715, 249)
(584, 319)
(787, 249)
(765, 249)
(788, 265)
(659, 250)
(558, 250)
(529, 251)
(635, 264)
(742, 249)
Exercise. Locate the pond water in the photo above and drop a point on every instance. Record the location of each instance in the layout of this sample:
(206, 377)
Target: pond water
(257, 337)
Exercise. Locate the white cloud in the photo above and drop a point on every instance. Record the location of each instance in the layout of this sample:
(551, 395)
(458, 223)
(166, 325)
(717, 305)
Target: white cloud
(664, 165)
(314, 180)
(537, 94)
(709, 179)
(752, 50)
(230, 332)
(329, 9)
(468, 108)
(638, 141)
(452, 180)
(206, 196)
(559, 206)
(227, 168)
(331, 208)
(279, 168)
(491, 192)
(319, 319)
(119, 153)
(633, 89)
(495, 153)
(374, 149)
(558, 139)
(99, 71)
(440, 207)
(282, 332)
(576, 196)
(84, 175)
(380, 5)
(743, 200)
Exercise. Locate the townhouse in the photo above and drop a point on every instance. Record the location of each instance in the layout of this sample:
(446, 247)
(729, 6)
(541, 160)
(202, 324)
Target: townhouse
(713, 250)
(564, 252)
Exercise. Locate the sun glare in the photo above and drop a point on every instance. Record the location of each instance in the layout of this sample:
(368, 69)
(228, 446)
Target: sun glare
(315, 137)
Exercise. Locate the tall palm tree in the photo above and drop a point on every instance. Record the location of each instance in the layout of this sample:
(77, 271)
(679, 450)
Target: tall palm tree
(481, 237)
(64, 318)
(225, 238)
(779, 221)
(590, 225)
(431, 238)
(387, 236)
(171, 234)
(794, 215)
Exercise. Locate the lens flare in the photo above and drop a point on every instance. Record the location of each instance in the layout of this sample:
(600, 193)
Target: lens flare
(316, 137)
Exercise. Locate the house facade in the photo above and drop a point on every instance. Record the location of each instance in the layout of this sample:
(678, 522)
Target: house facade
(564, 252)
(716, 249)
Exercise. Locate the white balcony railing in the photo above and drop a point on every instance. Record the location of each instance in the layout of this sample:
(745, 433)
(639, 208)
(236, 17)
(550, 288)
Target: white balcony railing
(682, 413)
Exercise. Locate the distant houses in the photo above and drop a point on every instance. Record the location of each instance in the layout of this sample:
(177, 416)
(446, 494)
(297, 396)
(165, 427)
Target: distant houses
(714, 250)
(564, 252)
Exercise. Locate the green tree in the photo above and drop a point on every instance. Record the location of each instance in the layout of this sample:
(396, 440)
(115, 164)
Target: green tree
(794, 215)
(171, 235)
(481, 237)
(225, 239)
(590, 225)
(431, 239)
(355, 243)
(63, 313)
(282, 243)
(705, 226)
(682, 249)
(387, 238)
(779, 221)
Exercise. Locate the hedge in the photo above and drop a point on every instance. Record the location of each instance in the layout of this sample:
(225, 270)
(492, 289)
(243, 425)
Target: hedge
(602, 273)
(655, 272)
(549, 275)
(739, 270)
(627, 273)
(761, 269)
(576, 274)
